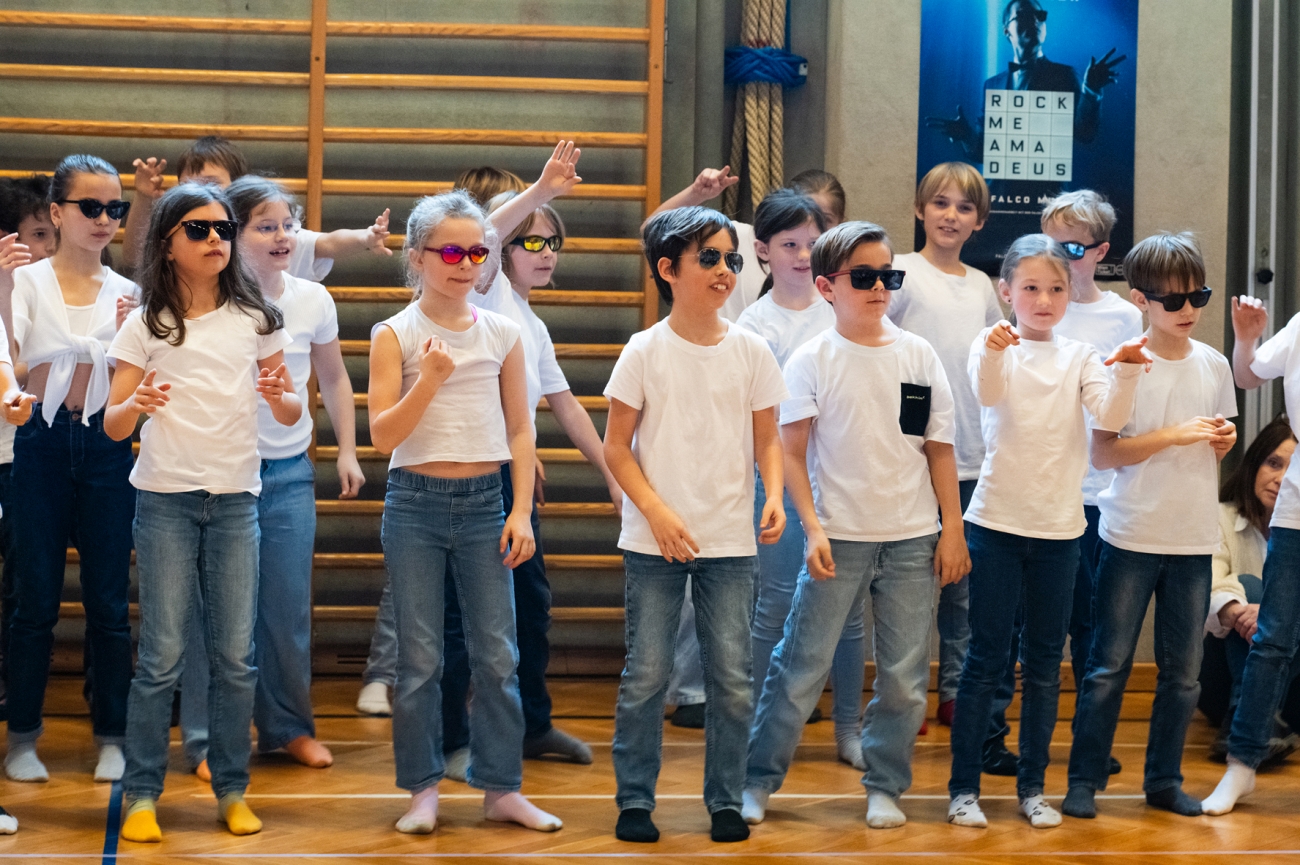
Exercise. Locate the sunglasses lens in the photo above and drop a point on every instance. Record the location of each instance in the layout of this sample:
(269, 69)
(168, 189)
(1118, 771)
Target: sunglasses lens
(1200, 298)
(117, 209)
(478, 254)
(197, 229)
(226, 229)
(735, 262)
(893, 279)
(710, 257)
(451, 254)
(555, 242)
(1074, 251)
(534, 244)
(90, 208)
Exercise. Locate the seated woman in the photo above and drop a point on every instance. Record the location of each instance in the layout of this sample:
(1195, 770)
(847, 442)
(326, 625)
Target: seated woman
(1246, 506)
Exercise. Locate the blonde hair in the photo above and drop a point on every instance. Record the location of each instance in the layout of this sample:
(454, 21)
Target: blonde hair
(545, 211)
(1166, 263)
(1034, 246)
(485, 182)
(1082, 208)
(960, 174)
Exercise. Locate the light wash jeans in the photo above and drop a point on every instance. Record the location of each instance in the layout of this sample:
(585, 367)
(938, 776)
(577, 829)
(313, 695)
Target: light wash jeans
(434, 527)
(723, 590)
(381, 665)
(899, 576)
(286, 516)
(1126, 582)
(191, 544)
(779, 568)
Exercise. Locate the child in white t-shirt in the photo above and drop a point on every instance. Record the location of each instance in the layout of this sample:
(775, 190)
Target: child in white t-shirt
(789, 312)
(1026, 515)
(690, 413)
(947, 303)
(193, 357)
(868, 435)
(1159, 528)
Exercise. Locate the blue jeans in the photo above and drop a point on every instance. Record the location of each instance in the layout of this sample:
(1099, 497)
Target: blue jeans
(381, 665)
(286, 516)
(779, 567)
(8, 549)
(70, 479)
(432, 528)
(1126, 582)
(899, 576)
(1268, 665)
(532, 621)
(953, 620)
(1010, 571)
(1236, 650)
(188, 545)
(723, 590)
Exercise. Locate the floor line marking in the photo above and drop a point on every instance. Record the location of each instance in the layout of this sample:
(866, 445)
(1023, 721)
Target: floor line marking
(938, 797)
(113, 824)
(919, 854)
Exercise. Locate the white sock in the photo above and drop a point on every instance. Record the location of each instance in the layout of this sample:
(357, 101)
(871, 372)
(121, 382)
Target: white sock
(422, 817)
(111, 765)
(965, 810)
(373, 700)
(458, 765)
(1238, 781)
(8, 823)
(883, 812)
(753, 806)
(22, 764)
(1040, 814)
(848, 746)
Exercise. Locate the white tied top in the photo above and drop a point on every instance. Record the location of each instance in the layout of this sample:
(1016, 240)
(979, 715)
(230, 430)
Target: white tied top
(44, 334)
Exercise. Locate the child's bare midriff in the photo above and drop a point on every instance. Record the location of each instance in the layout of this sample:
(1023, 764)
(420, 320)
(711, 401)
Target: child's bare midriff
(76, 399)
(441, 469)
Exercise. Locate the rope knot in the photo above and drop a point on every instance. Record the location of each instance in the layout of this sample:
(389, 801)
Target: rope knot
(744, 64)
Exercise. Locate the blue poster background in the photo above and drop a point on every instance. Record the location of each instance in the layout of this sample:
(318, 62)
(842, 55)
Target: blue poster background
(963, 46)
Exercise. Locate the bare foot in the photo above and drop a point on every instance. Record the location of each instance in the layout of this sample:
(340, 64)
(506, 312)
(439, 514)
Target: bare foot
(309, 752)
(514, 808)
(204, 773)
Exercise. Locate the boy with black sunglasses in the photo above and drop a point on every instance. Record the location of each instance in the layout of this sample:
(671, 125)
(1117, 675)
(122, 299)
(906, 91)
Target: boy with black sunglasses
(1158, 528)
(691, 410)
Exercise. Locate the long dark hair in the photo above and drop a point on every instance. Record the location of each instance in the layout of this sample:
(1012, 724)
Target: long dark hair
(814, 181)
(1239, 488)
(783, 210)
(159, 283)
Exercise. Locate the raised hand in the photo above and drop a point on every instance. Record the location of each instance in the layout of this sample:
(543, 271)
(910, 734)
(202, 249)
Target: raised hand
(378, 235)
(17, 407)
(1131, 352)
(149, 397)
(711, 182)
(436, 363)
(149, 176)
(560, 174)
(13, 254)
(271, 384)
(772, 523)
(675, 542)
(125, 303)
(1249, 318)
(1002, 336)
(1102, 72)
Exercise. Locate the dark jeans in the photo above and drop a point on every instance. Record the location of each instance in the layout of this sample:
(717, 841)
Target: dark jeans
(7, 549)
(532, 621)
(71, 478)
(1010, 572)
(1126, 582)
(1221, 689)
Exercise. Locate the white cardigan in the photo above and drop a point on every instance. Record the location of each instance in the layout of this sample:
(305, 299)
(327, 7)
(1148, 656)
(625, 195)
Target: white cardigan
(42, 334)
(1241, 552)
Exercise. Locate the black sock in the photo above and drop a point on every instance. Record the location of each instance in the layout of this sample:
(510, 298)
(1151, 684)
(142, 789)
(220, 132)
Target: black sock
(1079, 803)
(1174, 799)
(635, 825)
(728, 826)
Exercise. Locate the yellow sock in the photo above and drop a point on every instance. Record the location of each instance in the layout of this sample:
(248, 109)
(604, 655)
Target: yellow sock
(141, 823)
(240, 819)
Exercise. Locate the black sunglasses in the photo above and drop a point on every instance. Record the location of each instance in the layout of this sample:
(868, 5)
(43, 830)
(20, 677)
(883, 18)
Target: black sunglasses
(198, 229)
(1174, 302)
(710, 257)
(865, 278)
(1075, 250)
(536, 243)
(91, 209)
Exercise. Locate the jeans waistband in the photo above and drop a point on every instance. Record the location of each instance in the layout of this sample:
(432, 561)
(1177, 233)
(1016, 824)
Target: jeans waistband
(68, 417)
(413, 480)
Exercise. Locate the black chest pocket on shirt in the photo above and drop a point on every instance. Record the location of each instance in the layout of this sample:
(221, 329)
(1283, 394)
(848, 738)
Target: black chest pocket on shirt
(914, 409)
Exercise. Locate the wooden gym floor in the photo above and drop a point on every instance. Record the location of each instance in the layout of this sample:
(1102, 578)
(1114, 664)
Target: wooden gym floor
(346, 813)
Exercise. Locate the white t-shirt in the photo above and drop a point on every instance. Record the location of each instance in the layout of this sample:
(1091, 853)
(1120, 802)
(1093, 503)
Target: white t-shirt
(870, 476)
(1279, 356)
(749, 282)
(542, 369)
(1168, 504)
(6, 430)
(786, 329)
(205, 438)
(1105, 325)
(464, 422)
(1035, 438)
(309, 319)
(948, 312)
(695, 438)
(303, 262)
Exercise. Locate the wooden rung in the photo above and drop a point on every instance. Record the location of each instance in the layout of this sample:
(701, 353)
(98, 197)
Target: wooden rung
(371, 507)
(559, 456)
(333, 134)
(608, 245)
(613, 245)
(366, 561)
(540, 296)
(147, 75)
(414, 29)
(569, 350)
(363, 613)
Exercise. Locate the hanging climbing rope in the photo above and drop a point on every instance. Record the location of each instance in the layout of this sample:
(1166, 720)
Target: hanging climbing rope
(761, 68)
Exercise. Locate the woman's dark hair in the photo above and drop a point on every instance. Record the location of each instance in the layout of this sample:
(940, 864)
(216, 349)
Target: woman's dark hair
(158, 279)
(22, 197)
(1239, 488)
(251, 191)
(814, 181)
(668, 234)
(784, 210)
